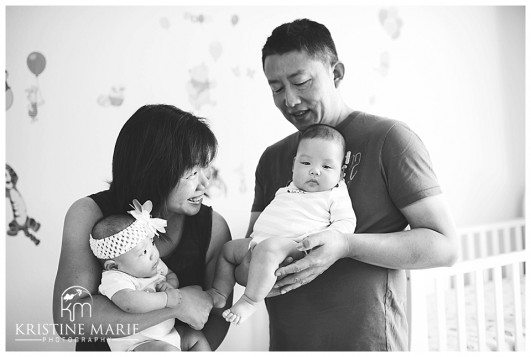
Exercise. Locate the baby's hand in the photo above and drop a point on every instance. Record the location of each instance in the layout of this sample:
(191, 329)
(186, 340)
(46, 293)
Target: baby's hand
(164, 286)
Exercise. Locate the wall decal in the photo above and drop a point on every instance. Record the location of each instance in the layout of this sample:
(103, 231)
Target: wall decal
(35, 99)
(215, 50)
(390, 21)
(241, 171)
(21, 221)
(199, 18)
(36, 63)
(114, 98)
(9, 94)
(164, 23)
(234, 19)
(198, 87)
(392, 25)
(217, 186)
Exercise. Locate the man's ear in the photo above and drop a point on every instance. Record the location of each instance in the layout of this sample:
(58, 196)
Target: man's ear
(339, 72)
(110, 265)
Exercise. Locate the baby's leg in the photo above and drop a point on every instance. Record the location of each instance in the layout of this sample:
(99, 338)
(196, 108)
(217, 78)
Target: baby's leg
(265, 260)
(192, 340)
(156, 346)
(232, 254)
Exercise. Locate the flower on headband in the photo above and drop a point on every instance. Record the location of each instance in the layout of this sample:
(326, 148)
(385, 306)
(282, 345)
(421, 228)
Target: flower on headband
(143, 214)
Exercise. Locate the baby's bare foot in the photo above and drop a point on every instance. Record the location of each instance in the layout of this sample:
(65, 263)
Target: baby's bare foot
(241, 311)
(218, 300)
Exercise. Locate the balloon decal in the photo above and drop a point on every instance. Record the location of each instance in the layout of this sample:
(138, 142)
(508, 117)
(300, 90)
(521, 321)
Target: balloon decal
(164, 23)
(9, 95)
(392, 25)
(21, 221)
(215, 50)
(234, 19)
(36, 63)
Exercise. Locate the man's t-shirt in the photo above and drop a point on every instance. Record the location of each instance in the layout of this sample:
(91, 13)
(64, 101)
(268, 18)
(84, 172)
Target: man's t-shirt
(353, 306)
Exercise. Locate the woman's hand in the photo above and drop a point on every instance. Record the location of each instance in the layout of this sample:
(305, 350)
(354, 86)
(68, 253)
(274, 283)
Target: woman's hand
(192, 305)
(324, 249)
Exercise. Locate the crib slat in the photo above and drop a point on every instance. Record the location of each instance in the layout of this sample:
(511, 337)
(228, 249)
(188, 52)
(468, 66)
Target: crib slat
(461, 321)
(506, 240)
(471, 253)
(518, 331)
(518, 235)
(498, 293)
(480, 310)
(506, 243)
(418, 336)
(482, 243)
(441, 313)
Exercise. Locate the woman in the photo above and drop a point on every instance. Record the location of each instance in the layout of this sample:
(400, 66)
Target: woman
(162, 154)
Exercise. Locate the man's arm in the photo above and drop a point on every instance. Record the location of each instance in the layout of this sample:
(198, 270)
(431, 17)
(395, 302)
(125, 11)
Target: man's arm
(431, 242)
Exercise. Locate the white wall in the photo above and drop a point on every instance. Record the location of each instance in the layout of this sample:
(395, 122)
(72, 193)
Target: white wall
(454, 74)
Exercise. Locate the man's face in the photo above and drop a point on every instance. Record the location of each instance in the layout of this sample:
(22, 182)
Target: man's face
(303, 88)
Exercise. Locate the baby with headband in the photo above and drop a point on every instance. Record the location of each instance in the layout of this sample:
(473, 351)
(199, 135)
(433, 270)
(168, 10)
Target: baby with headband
(136, 279)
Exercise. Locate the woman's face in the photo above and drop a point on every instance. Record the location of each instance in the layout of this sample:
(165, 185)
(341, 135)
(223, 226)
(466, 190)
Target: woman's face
(187, 196)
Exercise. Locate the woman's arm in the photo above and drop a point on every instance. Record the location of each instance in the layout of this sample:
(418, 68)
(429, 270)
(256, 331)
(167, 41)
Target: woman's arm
(216, 328)
(79, 268)
(141, 301)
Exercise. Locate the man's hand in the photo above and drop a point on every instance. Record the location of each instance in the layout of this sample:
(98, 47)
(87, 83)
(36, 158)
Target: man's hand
(325, 248)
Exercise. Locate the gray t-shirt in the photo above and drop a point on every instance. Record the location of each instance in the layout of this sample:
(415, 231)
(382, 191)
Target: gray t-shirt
(353, 306)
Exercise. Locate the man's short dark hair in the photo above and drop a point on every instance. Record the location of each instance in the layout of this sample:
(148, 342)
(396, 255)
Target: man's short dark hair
(301, 35)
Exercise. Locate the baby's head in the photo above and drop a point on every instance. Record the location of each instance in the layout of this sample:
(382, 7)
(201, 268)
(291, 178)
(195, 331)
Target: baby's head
(318, 164)
(125, 242)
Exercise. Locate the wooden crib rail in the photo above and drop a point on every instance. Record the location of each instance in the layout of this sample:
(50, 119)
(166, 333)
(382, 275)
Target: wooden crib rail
(496, 258)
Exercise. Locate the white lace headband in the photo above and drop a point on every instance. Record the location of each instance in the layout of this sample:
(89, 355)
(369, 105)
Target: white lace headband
(125, 240)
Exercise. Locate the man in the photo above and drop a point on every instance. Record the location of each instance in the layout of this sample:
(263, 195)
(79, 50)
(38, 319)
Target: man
(349, 292)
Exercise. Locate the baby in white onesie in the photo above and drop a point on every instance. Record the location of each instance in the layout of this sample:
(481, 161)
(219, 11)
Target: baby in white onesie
(316, 199)
(136, 279)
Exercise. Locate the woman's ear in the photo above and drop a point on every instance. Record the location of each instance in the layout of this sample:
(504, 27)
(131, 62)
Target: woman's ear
(110, 265)
(339, 72)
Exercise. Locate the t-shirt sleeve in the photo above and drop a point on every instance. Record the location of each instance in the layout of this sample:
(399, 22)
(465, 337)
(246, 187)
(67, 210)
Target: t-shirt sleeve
(259, 188)
(407, 167)
(113, 281)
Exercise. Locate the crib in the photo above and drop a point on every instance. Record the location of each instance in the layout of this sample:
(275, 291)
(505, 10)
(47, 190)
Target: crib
(479, 303)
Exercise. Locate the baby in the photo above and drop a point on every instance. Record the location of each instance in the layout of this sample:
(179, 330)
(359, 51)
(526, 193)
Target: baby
(136, 279)
(316, 199)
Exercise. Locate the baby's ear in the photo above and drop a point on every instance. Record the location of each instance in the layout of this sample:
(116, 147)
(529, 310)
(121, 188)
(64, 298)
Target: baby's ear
(110, 265)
